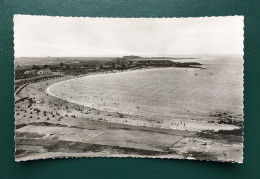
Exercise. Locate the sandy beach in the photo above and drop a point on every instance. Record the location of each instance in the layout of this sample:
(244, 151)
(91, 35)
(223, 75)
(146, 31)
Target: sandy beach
(56, 127)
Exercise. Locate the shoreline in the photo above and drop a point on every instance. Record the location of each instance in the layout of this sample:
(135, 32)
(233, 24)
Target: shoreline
(97, 122)
(211, 126)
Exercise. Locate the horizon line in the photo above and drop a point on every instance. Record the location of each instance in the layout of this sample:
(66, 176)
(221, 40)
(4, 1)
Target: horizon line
(169, 56)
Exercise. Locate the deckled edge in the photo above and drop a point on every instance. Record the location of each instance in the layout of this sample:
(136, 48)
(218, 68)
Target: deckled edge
(14, 88)
(130, 156)
(243, 126)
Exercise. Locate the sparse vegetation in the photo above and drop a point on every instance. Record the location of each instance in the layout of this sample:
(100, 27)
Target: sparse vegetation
(88, 66)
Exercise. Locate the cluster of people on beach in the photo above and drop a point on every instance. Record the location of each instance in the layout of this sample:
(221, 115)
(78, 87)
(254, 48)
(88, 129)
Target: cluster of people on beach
(60, 111)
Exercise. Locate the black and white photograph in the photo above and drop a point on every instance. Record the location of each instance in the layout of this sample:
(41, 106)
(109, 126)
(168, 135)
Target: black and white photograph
(169, 88)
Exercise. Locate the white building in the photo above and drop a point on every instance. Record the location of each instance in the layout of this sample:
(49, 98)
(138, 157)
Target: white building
(30, 72)
(44, 71)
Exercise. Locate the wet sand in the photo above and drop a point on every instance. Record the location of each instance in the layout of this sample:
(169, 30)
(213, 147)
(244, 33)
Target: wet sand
(48, 127)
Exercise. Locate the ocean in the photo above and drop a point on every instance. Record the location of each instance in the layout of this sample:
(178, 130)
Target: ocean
(163, 93)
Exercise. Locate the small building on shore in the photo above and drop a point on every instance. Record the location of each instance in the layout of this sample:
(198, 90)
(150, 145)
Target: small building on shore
(30, 72)
(44, 71)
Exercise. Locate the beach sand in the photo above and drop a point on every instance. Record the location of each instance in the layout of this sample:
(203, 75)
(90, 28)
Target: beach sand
(49, 127)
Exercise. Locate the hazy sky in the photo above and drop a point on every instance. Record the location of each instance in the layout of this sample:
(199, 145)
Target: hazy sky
(77, 36)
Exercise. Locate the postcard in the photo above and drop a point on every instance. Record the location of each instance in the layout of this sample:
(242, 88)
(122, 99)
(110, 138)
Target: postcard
(129, 87)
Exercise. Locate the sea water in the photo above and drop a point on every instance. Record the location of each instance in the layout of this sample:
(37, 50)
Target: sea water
(169, 93)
